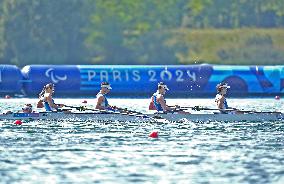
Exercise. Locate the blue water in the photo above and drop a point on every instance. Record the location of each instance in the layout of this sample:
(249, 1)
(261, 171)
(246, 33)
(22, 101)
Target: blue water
(122, 152)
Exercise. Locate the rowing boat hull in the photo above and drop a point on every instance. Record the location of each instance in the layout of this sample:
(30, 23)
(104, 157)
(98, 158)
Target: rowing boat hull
(83, 116)
(78, 116)
(224, 117)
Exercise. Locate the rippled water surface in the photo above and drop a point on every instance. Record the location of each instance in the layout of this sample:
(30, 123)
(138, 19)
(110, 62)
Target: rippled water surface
(122, 152)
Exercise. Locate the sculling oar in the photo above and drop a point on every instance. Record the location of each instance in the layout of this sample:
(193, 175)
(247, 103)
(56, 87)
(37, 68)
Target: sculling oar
(122, 111)
(199, 108)
(83, 108)
(79, 108)
(251, 111)
(127, 110)
(196, 108)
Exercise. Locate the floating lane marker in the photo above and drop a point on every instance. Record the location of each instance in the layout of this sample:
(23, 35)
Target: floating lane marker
(18, 122)
(153, 134)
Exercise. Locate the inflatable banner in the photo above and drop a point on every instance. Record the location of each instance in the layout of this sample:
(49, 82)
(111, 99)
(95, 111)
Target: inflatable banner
(66, 79)
(141, 80)
(10, 79)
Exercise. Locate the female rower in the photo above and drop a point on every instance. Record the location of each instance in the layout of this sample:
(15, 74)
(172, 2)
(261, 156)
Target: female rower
(46, 97)
(158, 101)
(221, 101)
(102, 102)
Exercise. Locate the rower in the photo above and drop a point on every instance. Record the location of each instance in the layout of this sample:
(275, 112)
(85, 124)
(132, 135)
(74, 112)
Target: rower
(46, 97)
(221, 101)
(102, 102)
(158, 101)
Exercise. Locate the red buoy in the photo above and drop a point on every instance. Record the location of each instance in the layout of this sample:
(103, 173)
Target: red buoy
(18, 122)
(277, 97)
(7, 96)
(154, 134)
(85, 101)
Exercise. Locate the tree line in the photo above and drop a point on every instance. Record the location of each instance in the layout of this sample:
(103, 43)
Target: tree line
(140, 32)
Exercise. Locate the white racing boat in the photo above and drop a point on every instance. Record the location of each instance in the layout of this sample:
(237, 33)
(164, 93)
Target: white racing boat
(113, 116)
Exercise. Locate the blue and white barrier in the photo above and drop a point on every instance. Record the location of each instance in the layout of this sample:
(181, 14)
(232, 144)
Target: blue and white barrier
(10, 79)
(141, 80)
(282, 80)
(65, 77)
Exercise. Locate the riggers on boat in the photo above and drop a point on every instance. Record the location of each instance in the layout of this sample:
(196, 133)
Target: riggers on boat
(117, 116)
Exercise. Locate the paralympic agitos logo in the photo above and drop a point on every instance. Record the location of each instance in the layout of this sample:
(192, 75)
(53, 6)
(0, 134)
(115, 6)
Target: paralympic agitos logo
(50, 73)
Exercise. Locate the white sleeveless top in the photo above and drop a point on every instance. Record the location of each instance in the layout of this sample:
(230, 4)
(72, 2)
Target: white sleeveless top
(225, 104)
(103, 104)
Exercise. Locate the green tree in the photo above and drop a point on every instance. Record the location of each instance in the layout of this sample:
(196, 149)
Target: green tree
(129, 30)
(43, 31)
(2, 41)
(135, 31)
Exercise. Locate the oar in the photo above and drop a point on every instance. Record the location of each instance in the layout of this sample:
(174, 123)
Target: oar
(126, 110)
(80, 108)
(83, 108)
(198, 108)
(122, 111)
(251, 111)
(237, 110)
(137, 114)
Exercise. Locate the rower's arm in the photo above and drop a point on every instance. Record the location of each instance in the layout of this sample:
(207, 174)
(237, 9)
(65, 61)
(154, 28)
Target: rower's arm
(50, 102)
(99, 102)
(220, 102)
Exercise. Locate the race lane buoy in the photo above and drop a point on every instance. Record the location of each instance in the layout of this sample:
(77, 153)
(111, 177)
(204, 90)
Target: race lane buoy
(154, 134)
(18, 122)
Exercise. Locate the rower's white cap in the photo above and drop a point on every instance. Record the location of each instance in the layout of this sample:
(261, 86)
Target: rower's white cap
(225, 86)
(222, 85)
(163, 86)
(106, 85)
(49, 85)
